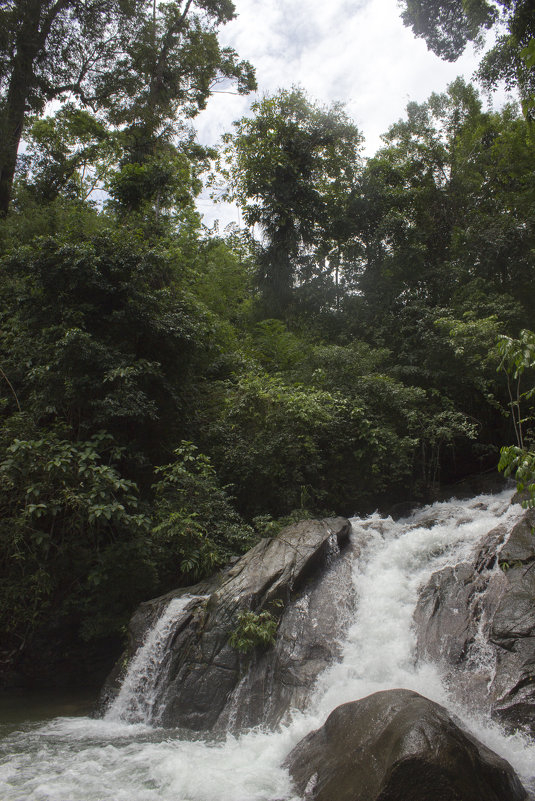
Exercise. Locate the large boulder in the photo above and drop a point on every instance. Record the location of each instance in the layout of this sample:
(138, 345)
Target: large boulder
(208, 683)
(398, 746)
(478, 620)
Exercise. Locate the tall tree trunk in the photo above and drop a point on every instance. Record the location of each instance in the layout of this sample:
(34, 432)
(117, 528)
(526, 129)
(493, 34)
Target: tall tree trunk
(27, 48)
(11, 135)
(337, 277)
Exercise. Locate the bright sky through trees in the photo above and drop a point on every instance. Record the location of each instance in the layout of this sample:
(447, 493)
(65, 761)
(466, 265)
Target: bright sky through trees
(359, 53)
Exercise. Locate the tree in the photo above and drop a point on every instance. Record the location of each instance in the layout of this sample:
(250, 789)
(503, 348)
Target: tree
(289, 444)
(517, 358)
(411, 201)
(49, 48)
(73, 541)
(445, 214)
(448, 25)
(136, 61)
(289, 168)
(196, 528)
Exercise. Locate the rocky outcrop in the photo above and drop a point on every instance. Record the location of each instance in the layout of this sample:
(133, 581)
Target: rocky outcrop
(211, 685)
(281, 677)
(478, 620)
(395, 746)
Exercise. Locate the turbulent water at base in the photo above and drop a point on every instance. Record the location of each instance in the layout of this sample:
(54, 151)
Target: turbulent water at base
(84, 759)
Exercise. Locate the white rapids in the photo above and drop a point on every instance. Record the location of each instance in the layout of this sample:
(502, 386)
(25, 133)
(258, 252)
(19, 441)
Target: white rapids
(123, 758)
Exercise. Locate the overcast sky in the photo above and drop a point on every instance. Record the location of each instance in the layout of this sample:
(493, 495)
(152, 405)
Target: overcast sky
(358, 52)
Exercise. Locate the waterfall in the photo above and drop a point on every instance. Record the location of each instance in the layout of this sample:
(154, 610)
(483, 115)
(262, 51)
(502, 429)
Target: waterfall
(137, 700)
(113, 760)
(399, 558)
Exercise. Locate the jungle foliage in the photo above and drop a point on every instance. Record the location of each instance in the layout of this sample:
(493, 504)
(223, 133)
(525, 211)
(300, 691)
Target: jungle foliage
(169, 394)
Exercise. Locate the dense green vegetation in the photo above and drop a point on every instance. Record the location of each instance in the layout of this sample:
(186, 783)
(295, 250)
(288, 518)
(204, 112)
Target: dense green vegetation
(169, 395)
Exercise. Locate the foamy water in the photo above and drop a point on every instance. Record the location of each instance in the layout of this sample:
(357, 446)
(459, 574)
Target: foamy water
(80, 759)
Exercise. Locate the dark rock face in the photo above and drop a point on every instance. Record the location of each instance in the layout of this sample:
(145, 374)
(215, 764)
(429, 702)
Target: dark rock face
(209, 684)
(479, 621)
(281, 677)
(398, 746)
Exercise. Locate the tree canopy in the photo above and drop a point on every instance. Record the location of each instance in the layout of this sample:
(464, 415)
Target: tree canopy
(448, 25)
(292, 167)
(135, 62)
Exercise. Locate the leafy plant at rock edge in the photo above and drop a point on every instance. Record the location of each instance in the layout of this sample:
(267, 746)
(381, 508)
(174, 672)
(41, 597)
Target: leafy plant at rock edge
(253, 630)
(517, 357)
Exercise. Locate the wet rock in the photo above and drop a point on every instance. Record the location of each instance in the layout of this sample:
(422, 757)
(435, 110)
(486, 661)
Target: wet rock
(478, 620)
(281, 677)
(394, 746)
(205, 674)
(520, 544)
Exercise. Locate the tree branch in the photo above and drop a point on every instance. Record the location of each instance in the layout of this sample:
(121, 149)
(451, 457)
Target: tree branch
(10, 385)
(58, 6)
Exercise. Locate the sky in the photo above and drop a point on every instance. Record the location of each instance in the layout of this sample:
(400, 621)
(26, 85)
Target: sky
(357, 52)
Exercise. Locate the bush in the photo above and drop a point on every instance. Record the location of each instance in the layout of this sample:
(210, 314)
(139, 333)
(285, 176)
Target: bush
(196, 529)
(72, 537)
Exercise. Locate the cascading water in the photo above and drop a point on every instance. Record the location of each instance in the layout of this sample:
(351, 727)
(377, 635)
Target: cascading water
(137, 700)
(82, 759)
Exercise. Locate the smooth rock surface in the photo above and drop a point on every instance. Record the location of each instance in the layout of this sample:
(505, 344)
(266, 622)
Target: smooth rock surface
(478, 620)
(281, 677)
(205, 674)
(397, 745)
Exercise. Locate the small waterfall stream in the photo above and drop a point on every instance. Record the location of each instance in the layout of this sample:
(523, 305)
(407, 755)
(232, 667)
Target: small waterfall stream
(124, 758)
(137, 701)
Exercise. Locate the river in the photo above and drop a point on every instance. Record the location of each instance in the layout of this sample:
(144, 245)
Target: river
(67, 755)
